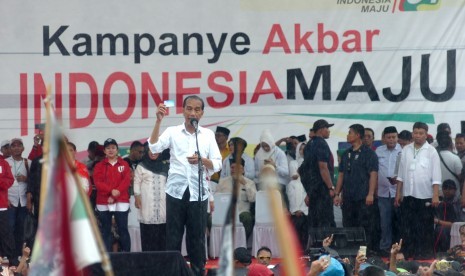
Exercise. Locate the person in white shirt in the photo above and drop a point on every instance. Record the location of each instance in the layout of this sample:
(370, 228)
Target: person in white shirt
(451, 166)
(17, 192)
(149, 192)
(246, 195)
(249, 167)
(387, 159)
(185, 206)
(270, 154)
(296, 193)
(418, 184)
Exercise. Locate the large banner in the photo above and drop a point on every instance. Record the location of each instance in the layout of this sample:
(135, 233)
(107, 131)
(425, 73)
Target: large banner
(257, 64)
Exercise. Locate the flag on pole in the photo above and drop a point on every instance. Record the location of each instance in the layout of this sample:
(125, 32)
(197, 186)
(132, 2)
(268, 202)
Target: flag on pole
(226, 261)
(66, 239)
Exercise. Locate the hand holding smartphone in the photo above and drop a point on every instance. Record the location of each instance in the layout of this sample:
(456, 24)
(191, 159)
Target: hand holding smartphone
(363, 250)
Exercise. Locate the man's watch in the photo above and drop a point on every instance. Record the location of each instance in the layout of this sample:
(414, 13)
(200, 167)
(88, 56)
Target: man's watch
(332, 188)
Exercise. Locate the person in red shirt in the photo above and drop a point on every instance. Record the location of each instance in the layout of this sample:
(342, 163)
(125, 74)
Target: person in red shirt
(112, 177)
(81, 169)
(7, 245)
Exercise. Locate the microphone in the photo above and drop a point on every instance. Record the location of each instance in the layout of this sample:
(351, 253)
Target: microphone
(428, 204)
(195, 123)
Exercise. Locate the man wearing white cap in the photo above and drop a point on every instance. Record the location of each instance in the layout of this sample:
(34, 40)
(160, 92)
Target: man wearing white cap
(5, 149)
(17, 192)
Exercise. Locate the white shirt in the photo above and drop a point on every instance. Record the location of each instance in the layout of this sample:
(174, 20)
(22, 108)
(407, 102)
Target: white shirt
(296, 193)
(387, 159)
(151, 188)
(455, 165)
(249, 168)
(246, 194)
(282, 167)
(419, 170)
(183, 175)
(17, 192)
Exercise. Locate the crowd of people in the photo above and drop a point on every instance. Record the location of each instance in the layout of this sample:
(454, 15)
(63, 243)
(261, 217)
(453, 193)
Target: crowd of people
(404, 188)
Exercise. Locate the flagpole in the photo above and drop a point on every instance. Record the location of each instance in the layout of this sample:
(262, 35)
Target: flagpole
(106, 264)
(285, 234)
(45, 152)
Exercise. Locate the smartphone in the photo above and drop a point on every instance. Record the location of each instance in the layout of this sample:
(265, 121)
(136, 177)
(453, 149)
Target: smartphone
(328, 257)
(363, 250)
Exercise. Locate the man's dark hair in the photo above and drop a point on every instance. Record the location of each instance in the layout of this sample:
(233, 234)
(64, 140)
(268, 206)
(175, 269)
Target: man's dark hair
(92, 146)
(358, 129)
(443, 127)
(264, 248)
(420, 125)
(370, 129)
(194, 97)
(405, 135)
(136, 144)
(238, 140)
(444, 140)
(232, 160)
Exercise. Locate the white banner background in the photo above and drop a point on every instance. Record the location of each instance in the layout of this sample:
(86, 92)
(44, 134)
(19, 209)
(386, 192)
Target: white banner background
(401, 34)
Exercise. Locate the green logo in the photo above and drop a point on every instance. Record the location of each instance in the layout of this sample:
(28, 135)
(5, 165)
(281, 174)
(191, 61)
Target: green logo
(419, 5)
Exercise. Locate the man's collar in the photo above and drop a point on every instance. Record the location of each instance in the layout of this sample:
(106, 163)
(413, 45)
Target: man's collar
(184, 128)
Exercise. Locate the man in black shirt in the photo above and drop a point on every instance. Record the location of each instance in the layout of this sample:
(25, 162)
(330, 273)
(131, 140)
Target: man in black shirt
(317, 177)
(358, 176)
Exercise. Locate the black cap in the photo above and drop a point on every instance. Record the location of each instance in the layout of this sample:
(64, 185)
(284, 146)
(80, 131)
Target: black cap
(110, 141)
(302, 138)
(242, 255)
(321, 124)
(390, 129)
(223, 130)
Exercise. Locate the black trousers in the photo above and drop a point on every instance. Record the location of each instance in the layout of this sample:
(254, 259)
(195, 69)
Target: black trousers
(320, 209)
(182, 213)
(7, 242)
(417, 227)
(153, 237)
(358, 214)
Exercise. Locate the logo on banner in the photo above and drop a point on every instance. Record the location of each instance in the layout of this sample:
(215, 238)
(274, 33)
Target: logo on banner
(419, 5)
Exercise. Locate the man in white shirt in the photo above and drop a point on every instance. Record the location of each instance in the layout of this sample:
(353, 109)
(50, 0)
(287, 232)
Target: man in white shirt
(246, 195)
(249, 167)
(418, 184)
(185, 207)
(17, 192)
(387, 158)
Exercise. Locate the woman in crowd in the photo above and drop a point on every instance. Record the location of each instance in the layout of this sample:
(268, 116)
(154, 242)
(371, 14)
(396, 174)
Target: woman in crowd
(270, 154)
(149, 191)
(112, 177)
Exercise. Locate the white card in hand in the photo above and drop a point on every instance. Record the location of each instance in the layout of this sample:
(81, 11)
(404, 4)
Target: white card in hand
(169, 103)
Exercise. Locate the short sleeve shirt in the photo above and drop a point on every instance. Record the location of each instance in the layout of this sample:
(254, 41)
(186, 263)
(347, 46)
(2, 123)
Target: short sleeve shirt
(357, 166)
(318, 151)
